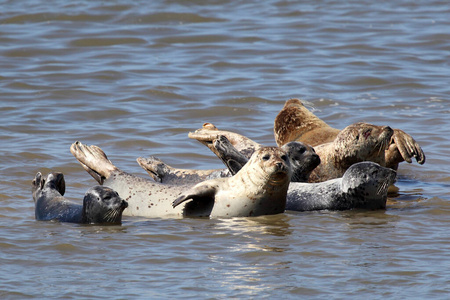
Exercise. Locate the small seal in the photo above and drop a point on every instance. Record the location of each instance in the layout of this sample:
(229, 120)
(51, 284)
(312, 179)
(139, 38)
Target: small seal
(302, 157)
(101, 205)
(296, 123)
(363, 186)
(259, 188)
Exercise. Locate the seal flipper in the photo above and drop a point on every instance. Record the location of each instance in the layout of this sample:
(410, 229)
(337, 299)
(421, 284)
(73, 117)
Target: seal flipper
(93, 160)
(408, 147)
(155, 167)
(201, 192)
(229, 155)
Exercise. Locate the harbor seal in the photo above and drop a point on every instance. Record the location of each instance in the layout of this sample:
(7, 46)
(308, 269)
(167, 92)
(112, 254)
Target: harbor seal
(101, 205)
(363, 186)
(303, 160)
(259, 188)
(355, 143)
(295, 122)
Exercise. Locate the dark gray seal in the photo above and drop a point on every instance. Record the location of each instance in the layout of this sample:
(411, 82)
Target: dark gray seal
(363, 186)
(101, 205)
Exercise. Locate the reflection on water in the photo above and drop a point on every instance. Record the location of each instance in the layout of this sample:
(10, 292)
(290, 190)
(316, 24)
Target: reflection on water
(135, 78)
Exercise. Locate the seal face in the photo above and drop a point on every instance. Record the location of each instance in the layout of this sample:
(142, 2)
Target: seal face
(258, 189)
(101, 205)
(363, 186)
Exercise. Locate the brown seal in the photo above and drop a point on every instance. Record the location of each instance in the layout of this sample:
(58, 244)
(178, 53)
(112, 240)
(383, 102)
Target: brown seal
(259, 188)
(355, 143)
(296, 123)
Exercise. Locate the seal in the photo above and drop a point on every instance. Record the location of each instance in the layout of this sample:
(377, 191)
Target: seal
(259, 188)
(295, 122)
(302, 157)
(101, 205)
(355, 143)
(363, 186)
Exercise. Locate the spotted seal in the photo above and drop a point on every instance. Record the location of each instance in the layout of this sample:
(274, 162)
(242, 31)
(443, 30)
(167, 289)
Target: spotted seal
(101, 205)
(259, 188)
(302, 157)
(295, 122)
(363, 186)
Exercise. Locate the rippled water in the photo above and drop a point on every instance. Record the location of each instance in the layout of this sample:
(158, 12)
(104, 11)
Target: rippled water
(135, 78)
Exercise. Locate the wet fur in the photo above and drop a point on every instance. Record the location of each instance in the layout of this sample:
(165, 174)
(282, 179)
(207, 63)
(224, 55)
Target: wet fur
(101, 205)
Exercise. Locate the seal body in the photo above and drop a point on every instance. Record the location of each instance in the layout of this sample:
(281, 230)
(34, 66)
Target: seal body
(363, 186)
(260, 187)
(296, 123)
(101, 205)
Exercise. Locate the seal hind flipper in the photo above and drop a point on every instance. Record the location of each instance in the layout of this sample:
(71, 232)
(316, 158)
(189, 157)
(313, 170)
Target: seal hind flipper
(93, 160)
(229, 155)
(57, 181)
(155, 167)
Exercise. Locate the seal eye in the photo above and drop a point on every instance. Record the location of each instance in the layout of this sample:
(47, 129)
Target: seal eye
(284, 157)
(266, 157)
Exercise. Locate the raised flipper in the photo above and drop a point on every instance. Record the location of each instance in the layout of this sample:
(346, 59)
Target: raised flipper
(402, 148)
(93, 160)
(155, 167)
(208, 133)
(163, 173)
(230, 156)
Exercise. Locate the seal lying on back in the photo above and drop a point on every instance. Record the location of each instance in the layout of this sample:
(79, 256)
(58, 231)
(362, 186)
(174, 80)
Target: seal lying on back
(296, 123)
(356, 143)
(302, 157)
(364, 186)
(100, 204)
(259, 188)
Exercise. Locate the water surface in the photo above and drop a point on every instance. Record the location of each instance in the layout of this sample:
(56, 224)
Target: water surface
(135, 78)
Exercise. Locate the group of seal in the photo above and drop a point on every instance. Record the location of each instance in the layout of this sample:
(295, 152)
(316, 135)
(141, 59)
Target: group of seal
(349, 168)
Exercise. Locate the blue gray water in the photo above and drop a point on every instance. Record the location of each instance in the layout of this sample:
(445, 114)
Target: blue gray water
(134, 78)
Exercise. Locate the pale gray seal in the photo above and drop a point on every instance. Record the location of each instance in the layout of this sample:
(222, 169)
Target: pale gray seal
(259, 188)
(295, 122)
(364, 186)
(101, 205)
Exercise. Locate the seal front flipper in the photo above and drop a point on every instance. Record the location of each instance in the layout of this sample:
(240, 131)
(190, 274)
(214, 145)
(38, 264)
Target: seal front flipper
(403, 147)
(201, 192)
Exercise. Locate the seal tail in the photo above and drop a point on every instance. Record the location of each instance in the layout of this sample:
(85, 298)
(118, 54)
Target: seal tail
(93, 160)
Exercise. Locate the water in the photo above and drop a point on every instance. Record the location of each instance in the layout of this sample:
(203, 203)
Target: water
(135, 78)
